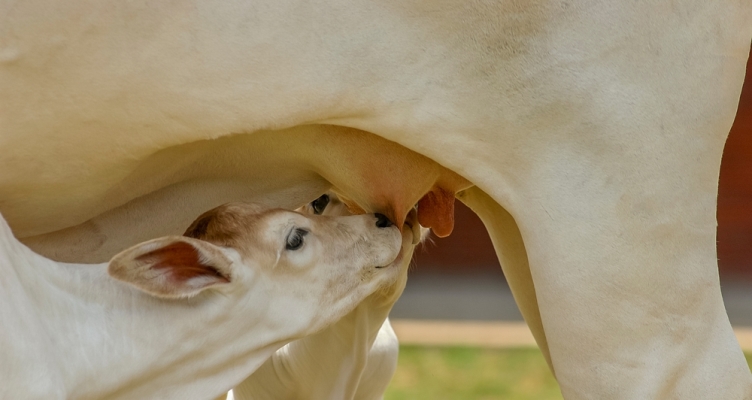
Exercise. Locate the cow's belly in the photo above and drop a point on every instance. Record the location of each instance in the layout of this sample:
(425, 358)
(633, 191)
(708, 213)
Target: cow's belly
(162, 193)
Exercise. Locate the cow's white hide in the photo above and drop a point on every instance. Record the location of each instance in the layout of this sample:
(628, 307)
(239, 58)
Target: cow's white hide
(281, 169)
(598, 126)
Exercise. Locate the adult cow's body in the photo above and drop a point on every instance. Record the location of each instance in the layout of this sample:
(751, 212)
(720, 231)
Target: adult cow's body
(599, 127)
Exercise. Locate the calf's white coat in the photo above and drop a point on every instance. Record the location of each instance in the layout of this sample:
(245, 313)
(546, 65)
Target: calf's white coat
(71, 331)
(354, 358)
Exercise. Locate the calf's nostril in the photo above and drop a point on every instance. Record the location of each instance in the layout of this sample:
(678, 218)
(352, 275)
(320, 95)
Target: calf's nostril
(382, 221)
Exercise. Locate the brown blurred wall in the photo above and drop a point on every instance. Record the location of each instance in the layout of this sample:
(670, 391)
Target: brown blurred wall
(469, 250)
(735, 191)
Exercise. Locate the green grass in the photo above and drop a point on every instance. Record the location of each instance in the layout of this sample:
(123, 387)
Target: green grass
(473, 373)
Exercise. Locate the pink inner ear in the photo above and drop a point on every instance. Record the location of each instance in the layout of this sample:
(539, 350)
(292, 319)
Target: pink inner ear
(183, 262)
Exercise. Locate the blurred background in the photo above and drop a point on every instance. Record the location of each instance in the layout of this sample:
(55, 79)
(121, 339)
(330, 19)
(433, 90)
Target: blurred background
(462, 336)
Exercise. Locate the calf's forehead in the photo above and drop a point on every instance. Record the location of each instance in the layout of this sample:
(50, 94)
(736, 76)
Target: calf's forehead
(237, 224)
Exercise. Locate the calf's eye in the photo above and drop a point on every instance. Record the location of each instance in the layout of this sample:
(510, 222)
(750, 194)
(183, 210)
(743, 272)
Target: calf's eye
(295, 239)
(319, 205)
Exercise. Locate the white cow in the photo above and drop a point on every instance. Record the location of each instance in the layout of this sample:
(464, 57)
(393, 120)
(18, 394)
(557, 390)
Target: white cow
(592, 132)
(70, 331)
(354, 358)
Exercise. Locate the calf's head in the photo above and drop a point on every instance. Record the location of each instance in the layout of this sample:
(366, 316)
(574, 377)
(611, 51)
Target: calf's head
(311, 267)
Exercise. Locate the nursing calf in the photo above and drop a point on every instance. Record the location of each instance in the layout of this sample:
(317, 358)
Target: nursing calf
(197, 313)
(354, 358)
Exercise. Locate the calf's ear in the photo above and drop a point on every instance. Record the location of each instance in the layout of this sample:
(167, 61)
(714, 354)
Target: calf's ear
(172, 266)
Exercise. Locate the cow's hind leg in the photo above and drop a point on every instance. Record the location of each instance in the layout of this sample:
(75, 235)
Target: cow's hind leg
(617, 215)
(511, 253)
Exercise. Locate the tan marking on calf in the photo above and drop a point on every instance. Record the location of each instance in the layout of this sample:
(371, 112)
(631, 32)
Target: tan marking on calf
(229, 225)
